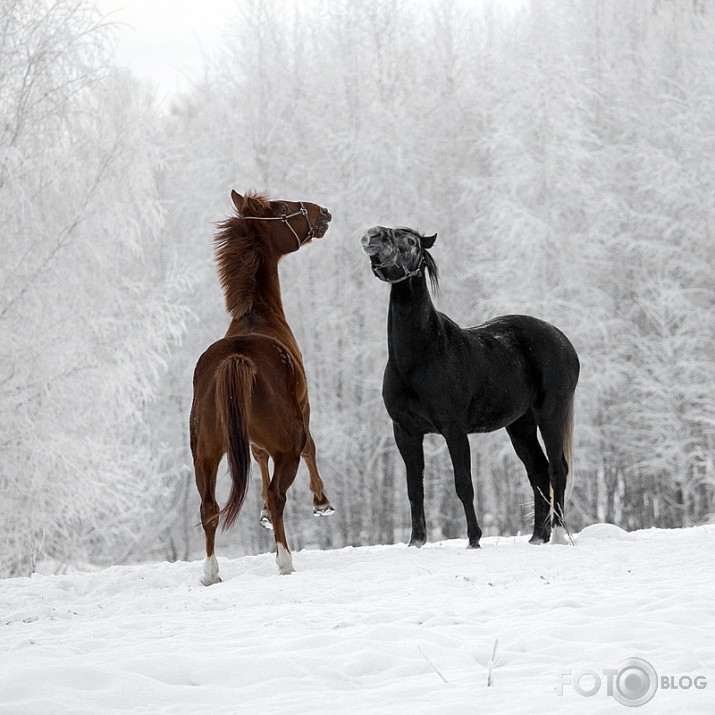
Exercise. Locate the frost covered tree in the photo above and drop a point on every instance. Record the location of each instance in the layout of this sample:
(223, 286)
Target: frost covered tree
(89, 300)
(562, 153)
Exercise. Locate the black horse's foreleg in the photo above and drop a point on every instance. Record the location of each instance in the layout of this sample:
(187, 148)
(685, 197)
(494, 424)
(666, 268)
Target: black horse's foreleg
(458, 445)
(410, 447)
(526, 445)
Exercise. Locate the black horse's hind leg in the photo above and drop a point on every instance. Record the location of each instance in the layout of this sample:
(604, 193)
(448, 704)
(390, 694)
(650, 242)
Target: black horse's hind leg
(551, 424)
(458, 445)
(410, 447)
(526, 445)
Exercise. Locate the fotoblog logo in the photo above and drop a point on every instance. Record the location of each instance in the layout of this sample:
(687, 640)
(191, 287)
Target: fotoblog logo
(633, 682)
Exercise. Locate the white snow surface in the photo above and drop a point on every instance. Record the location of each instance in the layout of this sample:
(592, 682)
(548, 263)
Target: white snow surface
(383, 629)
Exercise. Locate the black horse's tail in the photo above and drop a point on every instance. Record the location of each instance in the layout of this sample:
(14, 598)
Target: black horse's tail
(567, 435)
(234, 387)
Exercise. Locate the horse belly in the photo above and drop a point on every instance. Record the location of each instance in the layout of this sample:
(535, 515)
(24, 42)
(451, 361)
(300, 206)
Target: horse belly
(500, 405)
(491, 419)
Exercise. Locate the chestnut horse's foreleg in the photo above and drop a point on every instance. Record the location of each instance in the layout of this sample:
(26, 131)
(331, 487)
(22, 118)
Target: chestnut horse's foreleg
(286, 467)
(261, 456)
(205, 471)
(321, 503)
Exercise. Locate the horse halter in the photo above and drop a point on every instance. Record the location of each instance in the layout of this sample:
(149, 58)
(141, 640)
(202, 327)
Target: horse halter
(302, 211)
(376, 269)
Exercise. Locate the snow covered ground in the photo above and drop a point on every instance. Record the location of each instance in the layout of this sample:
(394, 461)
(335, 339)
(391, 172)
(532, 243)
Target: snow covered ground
(376, 629)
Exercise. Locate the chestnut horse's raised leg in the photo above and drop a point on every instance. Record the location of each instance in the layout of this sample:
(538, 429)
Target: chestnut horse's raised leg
(286, 467)
(321, 503)
(261, 456)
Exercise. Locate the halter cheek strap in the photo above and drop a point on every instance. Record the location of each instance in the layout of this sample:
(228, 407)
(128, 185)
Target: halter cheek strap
(285, 218)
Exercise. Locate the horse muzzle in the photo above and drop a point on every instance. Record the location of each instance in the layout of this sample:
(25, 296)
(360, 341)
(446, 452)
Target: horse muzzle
(323, 223)
(376, 244)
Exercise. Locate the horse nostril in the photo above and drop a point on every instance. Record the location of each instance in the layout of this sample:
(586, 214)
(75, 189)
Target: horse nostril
(373, 241)
(369, 246)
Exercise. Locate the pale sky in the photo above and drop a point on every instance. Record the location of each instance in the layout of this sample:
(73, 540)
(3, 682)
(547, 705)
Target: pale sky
(163, 40)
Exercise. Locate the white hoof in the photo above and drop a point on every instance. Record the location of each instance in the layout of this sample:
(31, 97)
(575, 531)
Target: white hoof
(558, 535)
(210, 576)
(265, 520)
(284, 559)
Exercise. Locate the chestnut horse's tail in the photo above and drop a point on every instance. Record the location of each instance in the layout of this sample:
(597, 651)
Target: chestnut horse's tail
(568, 448)
(234, 386)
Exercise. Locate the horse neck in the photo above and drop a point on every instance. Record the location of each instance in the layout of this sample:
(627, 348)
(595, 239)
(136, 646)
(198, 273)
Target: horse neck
(412, 321)
(266, 314)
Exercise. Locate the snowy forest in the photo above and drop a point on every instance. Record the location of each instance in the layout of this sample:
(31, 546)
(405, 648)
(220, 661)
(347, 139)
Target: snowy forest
(564, 152)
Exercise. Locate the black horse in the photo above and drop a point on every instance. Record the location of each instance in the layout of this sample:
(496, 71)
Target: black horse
(514, 371)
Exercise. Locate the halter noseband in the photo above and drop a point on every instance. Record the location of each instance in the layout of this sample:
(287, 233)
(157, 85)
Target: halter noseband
(406, 275)
(302, 211)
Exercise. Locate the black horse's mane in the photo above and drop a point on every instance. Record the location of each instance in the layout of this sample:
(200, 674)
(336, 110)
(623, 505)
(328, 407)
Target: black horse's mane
(429, 262)
(432, 270)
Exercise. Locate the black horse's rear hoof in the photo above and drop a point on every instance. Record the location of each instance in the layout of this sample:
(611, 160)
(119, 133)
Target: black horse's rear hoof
(537, 540)
(473, 545)
(419, 543)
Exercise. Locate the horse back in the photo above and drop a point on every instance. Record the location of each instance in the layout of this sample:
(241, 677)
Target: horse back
(547, 354)
(532, 351)
(276, 416)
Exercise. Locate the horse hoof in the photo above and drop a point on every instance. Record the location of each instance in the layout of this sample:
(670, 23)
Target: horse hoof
(418, 543)
(266, 522)
(210, 581)
(559, 536)
(473, 545)
(284, 559)
(210, 576)
(537, 540)
(326, 510)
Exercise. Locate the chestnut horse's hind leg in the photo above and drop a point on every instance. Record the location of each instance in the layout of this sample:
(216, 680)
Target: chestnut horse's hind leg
(321, 503)
(286, 467)
(205, 470)
(261, 456)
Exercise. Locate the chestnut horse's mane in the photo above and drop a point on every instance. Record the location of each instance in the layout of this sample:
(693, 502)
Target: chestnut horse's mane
(240, 252)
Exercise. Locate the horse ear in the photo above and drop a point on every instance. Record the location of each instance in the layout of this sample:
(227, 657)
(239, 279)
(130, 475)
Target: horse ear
(428, 241)
(238, 201)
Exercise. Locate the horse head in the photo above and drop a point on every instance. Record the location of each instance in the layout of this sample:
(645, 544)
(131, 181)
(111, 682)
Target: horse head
(293, 223)
(398, 254)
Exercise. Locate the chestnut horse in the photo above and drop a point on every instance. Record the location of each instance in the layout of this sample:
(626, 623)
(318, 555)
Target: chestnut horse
(249, 387)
